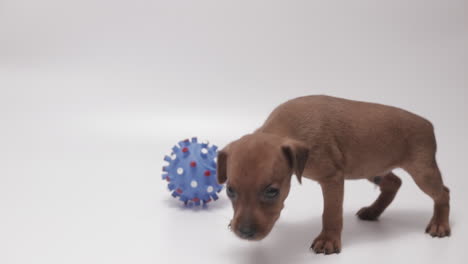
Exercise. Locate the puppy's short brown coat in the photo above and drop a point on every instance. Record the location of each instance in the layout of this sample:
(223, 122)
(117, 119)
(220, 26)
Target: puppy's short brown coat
(329, 140)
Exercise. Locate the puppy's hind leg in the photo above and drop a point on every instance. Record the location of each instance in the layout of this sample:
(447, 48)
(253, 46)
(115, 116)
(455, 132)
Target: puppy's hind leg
(389, 185)
(427, 176)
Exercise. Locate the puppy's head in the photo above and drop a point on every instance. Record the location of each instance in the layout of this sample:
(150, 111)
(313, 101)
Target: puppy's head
(257, 170)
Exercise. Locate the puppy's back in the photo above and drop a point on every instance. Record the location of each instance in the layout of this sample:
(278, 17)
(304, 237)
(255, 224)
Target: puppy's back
(362, 130)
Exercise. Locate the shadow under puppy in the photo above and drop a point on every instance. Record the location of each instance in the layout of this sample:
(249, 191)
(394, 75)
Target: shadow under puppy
(328, 140)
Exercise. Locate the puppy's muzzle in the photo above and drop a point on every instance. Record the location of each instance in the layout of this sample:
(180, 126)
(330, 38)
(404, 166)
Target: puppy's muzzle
(247, 231)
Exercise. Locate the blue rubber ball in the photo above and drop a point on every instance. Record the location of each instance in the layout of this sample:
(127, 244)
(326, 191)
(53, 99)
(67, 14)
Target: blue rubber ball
(191, 172)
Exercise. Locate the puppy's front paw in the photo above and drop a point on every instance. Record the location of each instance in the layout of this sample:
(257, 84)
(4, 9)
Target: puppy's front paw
(368, 214)
(327, 244)
(436, 229)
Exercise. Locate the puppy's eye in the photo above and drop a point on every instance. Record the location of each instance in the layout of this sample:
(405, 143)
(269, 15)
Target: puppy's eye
(271, 193)
(230, 192)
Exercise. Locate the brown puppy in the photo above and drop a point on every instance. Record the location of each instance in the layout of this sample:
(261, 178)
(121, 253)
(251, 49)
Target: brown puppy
(329, 140)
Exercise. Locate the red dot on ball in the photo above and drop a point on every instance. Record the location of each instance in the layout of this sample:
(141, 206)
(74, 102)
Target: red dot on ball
(185, 149)
(196, 199)
(179, 190)
(207, 173)
(193, 164)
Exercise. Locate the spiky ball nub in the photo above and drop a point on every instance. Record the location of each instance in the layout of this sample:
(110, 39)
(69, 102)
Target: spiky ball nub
(191, 172)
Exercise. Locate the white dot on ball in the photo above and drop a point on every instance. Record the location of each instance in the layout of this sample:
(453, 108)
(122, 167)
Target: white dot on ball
(173, 156)
(209, 189)
(194, 184)
(204, 151)
(180, 171)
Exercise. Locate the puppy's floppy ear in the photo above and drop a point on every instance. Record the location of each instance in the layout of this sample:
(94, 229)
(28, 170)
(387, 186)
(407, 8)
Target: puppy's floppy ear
(296, 154)
(221, 166)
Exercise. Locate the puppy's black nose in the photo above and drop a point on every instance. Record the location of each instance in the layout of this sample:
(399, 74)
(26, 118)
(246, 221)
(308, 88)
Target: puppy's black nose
(247, 231)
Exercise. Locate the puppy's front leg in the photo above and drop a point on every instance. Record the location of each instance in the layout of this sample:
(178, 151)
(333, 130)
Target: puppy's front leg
(329, 240)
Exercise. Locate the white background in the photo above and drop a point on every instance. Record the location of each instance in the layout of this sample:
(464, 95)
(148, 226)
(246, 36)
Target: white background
(94, 93)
